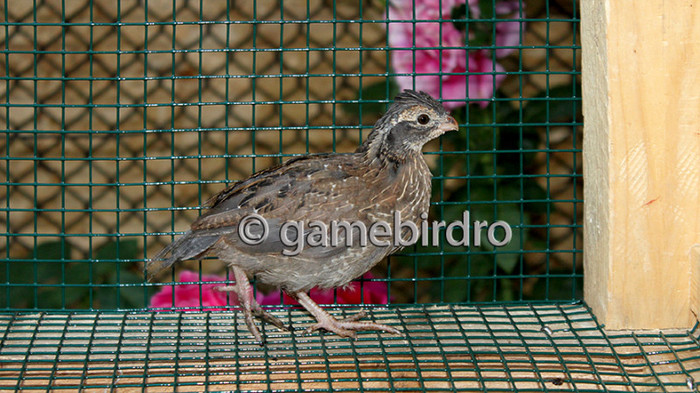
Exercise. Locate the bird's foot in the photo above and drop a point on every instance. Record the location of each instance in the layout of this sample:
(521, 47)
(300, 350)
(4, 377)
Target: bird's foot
(257, 311)
(250, 306)
(348, 326)
(265, 316)
(344, 327)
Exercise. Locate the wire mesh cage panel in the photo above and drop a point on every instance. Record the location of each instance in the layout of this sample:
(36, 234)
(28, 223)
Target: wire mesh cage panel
(121, 118)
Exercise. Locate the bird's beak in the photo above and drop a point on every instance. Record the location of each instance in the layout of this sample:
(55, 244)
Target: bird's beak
(450, 124)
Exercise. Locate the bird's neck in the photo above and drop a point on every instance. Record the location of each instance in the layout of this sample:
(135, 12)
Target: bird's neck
(378, 150)
(393, 163)
(385, 156)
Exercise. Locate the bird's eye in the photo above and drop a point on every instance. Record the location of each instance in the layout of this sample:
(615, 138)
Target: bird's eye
(423, 118)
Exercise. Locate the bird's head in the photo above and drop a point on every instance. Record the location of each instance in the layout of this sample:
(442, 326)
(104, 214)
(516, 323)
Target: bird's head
(414, 119)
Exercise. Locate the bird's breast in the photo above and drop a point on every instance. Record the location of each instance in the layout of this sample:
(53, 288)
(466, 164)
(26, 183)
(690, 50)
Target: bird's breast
(403, 191)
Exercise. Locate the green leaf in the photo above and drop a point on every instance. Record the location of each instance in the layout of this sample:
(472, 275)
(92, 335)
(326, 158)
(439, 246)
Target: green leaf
(508, 255)
(487, 9)
(53, 258)
(109, 257)
(471, 142)
(45, 269)
(459, 13)
(78, 297)
(519, 144)
(131, 297)
(109, 268)
(106, 297)
(507, 292)
(532, 191)
(123, 249)
(557, 288)
(54, 250)
(78, 273)
(467, 288)
(554, 106)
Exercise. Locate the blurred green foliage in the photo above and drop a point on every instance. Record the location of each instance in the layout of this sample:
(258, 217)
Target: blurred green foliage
(492, 159)
(499, 145)
(50, 279)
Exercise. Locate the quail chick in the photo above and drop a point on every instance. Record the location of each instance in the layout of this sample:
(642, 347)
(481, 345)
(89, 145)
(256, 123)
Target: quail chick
(384, 176)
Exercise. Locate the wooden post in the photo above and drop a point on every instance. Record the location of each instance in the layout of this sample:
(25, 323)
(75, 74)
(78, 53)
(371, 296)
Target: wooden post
(695, 281)
(641, 152)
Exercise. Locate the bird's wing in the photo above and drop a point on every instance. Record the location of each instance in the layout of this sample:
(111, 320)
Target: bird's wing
(311, 188)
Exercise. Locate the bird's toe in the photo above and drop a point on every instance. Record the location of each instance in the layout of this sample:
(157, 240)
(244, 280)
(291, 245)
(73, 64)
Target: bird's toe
(330, 326)
(267, 317)
(348, 326)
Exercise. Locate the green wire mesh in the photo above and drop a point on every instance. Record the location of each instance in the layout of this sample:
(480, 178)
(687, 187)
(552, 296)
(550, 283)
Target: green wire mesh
(121, 118)
(521, 348)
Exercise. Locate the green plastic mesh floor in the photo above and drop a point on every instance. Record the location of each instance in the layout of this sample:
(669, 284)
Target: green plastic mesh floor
(557, 348)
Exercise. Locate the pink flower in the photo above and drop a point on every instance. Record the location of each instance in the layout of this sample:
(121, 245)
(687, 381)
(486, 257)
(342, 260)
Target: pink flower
(507, 33)
(369, 292)
(435, 55)
(194, 295)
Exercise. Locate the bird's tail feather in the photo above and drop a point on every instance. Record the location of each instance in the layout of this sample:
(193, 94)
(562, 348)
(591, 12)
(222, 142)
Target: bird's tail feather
(188, 246)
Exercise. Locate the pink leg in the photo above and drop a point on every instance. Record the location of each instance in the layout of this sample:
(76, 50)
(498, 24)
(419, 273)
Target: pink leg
(250, 306)
(344, 328)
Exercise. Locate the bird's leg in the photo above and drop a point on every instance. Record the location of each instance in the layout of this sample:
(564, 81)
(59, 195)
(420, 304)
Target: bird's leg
(345, 327)
(250, 306)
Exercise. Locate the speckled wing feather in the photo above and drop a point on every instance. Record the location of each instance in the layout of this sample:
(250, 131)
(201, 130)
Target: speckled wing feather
(305, 189)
